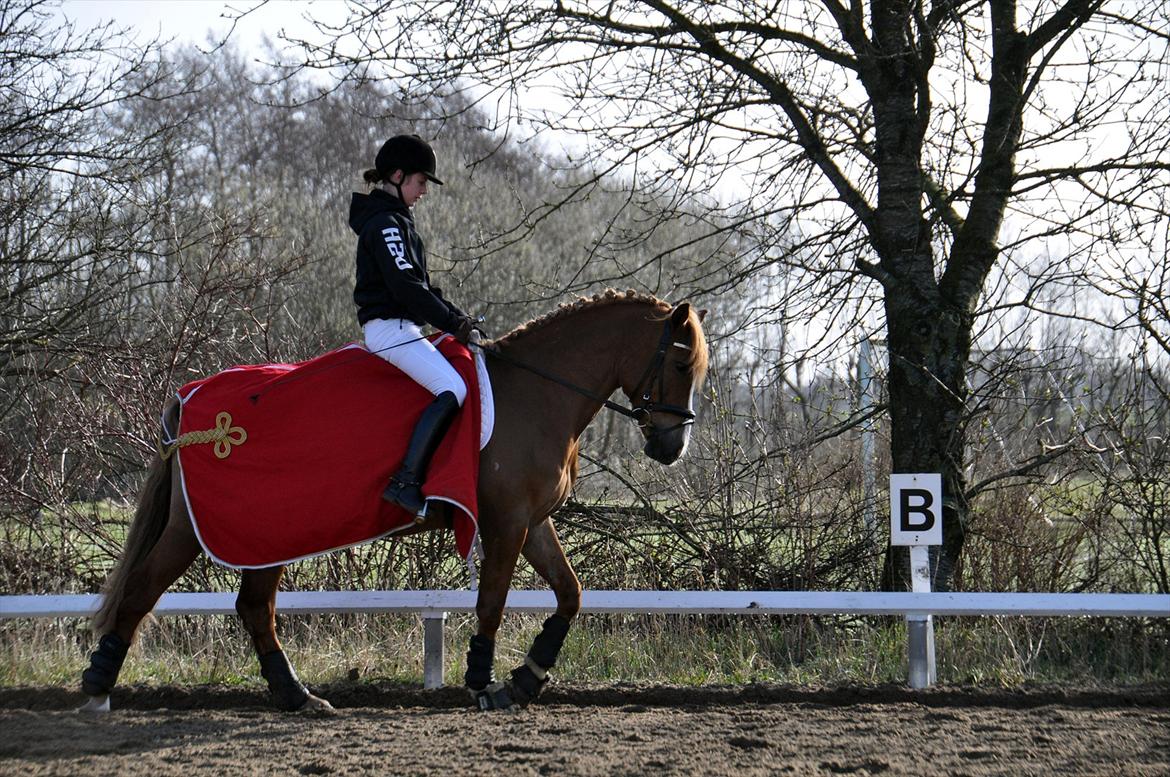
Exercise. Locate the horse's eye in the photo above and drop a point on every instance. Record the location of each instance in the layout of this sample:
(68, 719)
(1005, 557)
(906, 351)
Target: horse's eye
(683, 369)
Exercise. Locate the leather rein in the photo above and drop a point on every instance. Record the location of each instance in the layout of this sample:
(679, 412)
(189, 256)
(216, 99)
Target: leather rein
(639, 413)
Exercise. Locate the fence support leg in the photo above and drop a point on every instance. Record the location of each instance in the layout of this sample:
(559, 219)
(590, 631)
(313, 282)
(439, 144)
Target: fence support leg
(920, 628)
(920, 631)
(433, 658)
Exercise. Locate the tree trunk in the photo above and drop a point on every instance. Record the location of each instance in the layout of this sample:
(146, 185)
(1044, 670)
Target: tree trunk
(929, 340)
(929, 349)
(929, 322)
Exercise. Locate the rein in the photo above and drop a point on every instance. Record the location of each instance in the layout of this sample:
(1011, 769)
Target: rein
(640, 413)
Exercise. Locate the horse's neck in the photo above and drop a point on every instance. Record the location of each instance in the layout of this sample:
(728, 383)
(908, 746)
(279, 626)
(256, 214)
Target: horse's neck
(576, 350)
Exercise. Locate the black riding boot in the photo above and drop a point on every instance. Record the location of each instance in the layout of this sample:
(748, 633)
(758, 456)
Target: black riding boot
(404, 489)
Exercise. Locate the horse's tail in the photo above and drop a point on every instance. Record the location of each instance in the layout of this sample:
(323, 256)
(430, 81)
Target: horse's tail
(149, 521)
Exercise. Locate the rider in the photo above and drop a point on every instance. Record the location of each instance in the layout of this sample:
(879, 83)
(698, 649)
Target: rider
(394, 298)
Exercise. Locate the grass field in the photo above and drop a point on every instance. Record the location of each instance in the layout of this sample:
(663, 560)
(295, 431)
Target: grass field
(70, 550)
(687, 650)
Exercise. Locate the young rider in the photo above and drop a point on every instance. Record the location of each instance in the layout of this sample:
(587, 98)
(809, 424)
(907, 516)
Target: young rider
(394, 298)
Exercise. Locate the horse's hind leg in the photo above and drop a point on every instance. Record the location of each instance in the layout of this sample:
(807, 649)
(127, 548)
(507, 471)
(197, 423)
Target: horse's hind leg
(169, 558)
(256, 606)
(543, 550)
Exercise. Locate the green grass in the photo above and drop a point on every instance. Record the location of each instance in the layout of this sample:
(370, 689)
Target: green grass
(676, 650)
(71, 549)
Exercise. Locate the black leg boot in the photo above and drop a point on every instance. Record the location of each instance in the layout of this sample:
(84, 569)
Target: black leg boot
(404, 489)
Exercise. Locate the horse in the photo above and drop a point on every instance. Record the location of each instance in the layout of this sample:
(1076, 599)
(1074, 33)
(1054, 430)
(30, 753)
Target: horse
(550, 378)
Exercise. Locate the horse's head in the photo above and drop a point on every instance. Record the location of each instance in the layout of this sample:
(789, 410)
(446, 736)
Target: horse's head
(662, 388)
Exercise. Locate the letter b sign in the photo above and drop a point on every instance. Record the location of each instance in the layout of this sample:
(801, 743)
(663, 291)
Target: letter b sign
(916, 509)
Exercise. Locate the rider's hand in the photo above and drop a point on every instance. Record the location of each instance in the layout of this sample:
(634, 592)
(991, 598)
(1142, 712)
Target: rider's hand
(464, 329)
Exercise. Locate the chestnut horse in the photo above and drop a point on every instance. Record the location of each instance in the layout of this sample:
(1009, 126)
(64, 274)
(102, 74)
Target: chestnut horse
(550, 377)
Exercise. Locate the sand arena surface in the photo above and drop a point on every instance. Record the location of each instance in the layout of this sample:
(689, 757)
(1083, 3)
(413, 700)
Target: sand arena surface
(595, 730)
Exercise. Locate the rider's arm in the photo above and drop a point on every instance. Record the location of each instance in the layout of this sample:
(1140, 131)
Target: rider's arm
(388, 241)
(450, 305)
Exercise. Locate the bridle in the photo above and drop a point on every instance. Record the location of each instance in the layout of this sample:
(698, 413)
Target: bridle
(656, 368)
(639, 412)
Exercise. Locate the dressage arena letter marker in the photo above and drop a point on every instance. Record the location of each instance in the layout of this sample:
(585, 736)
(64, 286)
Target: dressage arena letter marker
(916, 520)
(916, 509)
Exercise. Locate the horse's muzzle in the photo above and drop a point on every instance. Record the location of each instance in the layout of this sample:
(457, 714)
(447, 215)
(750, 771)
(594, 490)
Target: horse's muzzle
(667, 447)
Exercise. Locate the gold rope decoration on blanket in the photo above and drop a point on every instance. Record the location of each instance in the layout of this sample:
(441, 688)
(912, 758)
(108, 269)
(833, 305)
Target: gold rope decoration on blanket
(224, 435)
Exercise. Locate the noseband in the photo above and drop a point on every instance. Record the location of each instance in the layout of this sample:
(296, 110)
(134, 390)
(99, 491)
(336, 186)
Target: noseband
(640, 412)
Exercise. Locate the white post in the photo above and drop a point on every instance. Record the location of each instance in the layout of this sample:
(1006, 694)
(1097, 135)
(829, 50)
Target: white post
(433, 658)
(920, 628)
(916, 521)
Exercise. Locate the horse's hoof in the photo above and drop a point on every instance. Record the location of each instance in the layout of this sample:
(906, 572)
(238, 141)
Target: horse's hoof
(316, 704)
(96, 705)
(525, 684)
(495, 697)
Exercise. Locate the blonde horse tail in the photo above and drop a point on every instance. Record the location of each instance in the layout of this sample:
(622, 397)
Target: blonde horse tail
(149, 521)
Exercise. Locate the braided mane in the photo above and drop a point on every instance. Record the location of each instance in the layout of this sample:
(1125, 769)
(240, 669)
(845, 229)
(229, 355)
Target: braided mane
(607, 297)
(698, 353)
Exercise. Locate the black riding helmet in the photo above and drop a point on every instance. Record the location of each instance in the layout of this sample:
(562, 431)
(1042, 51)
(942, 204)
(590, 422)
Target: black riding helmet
(408, 153)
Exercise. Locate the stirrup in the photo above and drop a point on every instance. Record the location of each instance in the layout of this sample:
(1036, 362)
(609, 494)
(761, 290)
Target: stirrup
(407, 495)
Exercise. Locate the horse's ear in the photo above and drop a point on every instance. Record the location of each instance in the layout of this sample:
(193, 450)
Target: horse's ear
(680, 314)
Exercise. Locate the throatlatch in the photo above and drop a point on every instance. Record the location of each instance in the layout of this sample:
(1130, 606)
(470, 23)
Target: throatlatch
(104, 665)
(282, 680)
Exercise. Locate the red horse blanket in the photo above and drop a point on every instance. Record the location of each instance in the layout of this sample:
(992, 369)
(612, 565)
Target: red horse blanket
(282, 462)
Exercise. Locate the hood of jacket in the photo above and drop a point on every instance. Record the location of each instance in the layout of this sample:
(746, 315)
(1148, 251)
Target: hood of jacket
(363, 207)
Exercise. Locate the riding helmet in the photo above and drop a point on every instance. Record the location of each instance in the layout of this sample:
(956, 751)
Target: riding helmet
(408, 153)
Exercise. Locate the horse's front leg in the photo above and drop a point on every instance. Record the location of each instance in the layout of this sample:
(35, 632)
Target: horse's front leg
(256, 605)
(543, 550)
(500, 553)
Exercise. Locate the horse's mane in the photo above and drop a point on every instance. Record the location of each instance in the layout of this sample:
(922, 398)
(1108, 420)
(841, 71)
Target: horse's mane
(698, 360)
(607, 297)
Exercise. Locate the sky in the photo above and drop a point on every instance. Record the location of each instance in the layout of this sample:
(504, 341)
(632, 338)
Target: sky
(190, 20)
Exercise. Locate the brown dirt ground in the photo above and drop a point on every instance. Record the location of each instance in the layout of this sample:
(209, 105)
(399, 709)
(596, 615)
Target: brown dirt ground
(596, 730)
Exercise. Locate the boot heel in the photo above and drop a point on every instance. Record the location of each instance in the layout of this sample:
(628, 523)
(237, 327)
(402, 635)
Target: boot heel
(408, 496)
(405, 488)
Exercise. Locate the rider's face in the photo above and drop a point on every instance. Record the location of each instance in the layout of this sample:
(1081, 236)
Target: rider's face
(414, 188)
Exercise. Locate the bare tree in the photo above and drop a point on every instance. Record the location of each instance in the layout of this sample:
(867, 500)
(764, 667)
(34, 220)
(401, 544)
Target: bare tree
(56, 83)
(113, 287)
(174, 213)
(917, 150)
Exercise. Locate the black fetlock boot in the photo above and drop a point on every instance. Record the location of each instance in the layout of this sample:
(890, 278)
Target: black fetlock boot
(104, 665)
(405, 487)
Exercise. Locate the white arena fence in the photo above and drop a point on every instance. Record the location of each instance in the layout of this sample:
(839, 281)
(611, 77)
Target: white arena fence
(434, 606)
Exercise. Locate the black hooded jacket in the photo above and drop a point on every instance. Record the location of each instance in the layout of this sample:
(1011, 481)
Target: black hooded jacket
(392, 280)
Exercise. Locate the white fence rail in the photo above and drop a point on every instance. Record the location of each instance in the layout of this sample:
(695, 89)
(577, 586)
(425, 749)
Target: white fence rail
(692, 602)
(434, 606)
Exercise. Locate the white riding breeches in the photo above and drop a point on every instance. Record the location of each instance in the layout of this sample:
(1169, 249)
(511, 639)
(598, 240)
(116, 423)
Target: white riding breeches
(401, 343)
